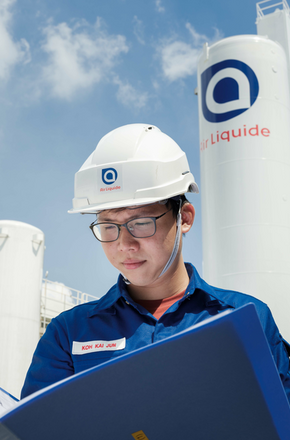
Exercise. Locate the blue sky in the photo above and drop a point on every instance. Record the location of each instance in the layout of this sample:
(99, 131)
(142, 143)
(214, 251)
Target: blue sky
(70, 71)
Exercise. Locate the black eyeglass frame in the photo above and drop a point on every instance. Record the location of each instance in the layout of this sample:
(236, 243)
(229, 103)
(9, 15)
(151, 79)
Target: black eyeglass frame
(125, 225)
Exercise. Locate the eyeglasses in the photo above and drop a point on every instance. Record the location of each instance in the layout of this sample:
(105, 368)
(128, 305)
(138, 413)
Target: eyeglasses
(142, 227)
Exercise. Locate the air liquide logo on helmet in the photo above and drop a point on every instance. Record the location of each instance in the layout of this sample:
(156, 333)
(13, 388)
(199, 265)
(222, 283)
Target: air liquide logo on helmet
(109, 176)
(228, 89)
(109, 179)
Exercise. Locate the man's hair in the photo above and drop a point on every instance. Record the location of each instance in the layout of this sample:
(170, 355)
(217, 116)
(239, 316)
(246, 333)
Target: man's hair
(174, 203)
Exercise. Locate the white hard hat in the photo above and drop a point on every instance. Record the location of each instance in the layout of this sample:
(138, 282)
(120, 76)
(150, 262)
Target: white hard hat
(132, 165)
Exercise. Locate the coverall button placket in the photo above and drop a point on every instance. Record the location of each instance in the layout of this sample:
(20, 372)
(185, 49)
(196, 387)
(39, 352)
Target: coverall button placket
(158, 335)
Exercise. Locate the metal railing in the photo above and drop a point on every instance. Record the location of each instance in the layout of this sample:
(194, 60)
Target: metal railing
(57, 298)
(270, 7)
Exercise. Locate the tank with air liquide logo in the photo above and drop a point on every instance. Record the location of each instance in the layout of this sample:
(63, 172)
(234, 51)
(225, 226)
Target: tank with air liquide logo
(244, 114)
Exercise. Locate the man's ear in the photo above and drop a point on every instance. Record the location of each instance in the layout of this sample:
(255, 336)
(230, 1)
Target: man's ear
(187, 217)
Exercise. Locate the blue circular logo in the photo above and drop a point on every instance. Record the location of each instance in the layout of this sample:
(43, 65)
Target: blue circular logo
(228, 89)
(109, 176)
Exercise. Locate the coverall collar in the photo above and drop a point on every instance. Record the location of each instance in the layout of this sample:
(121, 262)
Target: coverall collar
(119, 290)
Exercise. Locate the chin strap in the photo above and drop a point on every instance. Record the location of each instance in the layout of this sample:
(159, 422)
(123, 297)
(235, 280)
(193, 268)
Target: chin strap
(175, 246)
(126, 281)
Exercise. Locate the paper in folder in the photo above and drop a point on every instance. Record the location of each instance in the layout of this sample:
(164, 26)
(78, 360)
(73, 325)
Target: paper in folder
(214, 381)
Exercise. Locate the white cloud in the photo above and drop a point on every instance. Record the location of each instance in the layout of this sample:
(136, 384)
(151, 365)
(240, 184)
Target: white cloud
(155, 84)
(198, 39)
(11, 52)
(218, 35)
(179, 59)
(159, 7)
(129, 96)
(138, 30)
(80, 56)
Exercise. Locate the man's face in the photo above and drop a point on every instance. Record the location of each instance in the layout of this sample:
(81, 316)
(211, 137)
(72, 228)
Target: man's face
(141, 260)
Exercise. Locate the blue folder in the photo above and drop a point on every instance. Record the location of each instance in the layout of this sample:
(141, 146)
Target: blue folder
(214, 381)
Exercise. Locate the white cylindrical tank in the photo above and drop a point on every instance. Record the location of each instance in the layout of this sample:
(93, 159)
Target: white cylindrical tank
(21, 265)
(244, 117)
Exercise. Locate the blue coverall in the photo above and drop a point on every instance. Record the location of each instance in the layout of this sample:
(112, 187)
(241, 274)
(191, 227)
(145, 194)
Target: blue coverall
(93, 333)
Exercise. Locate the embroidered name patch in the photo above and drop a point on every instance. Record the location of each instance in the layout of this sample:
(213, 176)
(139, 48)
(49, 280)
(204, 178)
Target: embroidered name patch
(91, 346)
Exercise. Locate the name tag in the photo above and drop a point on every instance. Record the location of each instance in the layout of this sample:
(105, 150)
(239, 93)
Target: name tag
(92, 346)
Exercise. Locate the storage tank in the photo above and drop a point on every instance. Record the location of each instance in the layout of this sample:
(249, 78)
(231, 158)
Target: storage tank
(21, 265)
(273, 21)
(244, 122)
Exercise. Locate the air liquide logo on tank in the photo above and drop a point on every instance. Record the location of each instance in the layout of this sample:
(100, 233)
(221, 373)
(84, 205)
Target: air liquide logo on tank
(110, 179)
(228, 89)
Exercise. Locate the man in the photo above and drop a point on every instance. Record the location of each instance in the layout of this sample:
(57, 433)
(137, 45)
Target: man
(135, 183)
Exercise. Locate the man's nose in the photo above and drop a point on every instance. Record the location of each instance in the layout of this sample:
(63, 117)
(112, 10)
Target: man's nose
(126, 240)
